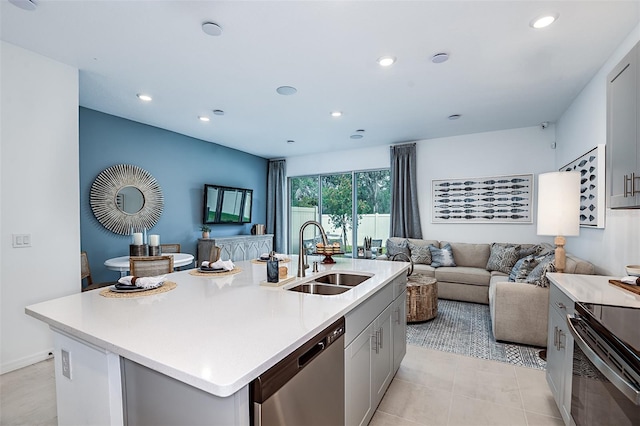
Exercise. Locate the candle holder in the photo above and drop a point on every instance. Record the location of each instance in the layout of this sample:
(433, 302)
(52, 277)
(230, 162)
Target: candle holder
(155, 251)
(138, 250)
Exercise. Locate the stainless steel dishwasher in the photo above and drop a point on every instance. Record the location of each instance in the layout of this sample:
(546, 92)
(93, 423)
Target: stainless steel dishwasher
(307, 387)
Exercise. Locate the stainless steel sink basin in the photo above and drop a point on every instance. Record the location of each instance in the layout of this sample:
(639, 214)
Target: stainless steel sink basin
(313, 288)
(342, 278)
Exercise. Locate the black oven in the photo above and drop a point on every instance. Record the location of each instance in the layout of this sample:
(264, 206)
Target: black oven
(606, 365)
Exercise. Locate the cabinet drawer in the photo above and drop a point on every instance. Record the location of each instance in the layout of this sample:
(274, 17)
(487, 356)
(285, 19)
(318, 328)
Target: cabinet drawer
(560, 302)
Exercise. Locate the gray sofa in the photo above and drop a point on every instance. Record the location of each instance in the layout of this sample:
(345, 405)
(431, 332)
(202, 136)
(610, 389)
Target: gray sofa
(519, 310)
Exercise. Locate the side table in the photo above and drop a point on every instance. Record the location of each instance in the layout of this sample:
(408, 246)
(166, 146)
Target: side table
(422, 298)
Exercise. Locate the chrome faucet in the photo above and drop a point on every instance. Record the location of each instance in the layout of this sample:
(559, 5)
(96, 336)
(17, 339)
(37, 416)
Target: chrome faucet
(302, 257)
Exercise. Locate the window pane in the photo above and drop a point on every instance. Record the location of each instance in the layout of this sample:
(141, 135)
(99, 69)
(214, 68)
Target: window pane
(304, 206)
(374, 208)
(337, 209)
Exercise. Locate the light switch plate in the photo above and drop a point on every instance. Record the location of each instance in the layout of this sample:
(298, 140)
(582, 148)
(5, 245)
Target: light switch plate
(21, 240)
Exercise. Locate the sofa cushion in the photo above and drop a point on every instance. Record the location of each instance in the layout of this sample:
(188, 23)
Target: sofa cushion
(523, 268)
(463, 275)
(503, 257)
(529, 249)
(420, 254)
(442, 256)
(472, 255)
(397, 245)
(538, 275)
(426, 270)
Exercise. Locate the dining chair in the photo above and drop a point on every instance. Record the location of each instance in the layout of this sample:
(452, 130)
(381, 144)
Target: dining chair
(85, 274)
(150, 266)
(170, 248)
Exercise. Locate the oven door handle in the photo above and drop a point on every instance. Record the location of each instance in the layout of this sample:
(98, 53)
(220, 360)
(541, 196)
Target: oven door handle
(619, 382)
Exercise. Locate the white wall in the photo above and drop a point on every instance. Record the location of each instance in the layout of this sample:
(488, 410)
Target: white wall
(40, 196)
(581, 128)
(506, 152)
(516, 151)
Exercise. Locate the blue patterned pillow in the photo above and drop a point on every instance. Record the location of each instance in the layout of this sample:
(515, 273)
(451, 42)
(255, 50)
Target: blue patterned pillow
(522, 269)
(538, 275)
(397, 245)
(441, 256)
(503, 257)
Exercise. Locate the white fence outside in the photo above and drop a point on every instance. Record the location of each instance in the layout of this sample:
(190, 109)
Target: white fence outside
(375, 226)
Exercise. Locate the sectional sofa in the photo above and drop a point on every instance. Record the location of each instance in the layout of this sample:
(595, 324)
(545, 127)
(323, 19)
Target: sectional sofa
(519, 309)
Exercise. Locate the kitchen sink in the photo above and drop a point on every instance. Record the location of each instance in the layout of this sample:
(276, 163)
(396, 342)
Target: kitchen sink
(313, 288)
(342, 278)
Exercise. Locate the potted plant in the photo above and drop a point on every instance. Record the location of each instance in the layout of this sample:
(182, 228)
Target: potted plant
(205, 231)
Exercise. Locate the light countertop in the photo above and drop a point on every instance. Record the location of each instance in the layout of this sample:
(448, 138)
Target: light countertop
(214, 333)
(594, 289)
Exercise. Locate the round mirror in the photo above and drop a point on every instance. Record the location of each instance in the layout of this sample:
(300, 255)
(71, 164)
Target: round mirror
(130, 200)
(125, 197)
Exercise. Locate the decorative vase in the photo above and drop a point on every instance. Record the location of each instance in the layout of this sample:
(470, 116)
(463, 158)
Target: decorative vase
(205, 234)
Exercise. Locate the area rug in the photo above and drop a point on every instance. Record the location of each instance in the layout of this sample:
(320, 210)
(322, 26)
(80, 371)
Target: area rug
(465, 329)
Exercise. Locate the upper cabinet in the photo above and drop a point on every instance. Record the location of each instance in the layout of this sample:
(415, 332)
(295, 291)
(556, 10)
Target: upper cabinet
(623, 133)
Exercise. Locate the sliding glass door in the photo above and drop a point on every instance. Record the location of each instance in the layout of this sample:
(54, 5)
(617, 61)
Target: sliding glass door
(331, 200)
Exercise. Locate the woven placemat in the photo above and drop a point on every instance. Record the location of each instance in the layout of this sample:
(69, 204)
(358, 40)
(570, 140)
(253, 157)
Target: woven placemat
(259, 262)
(197, 273)
(167, 286)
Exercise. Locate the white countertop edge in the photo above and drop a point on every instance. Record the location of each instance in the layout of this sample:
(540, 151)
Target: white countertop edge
(217, 389)
(594, 289)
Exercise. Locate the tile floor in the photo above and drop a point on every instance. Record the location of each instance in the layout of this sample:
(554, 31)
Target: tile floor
(431, 388)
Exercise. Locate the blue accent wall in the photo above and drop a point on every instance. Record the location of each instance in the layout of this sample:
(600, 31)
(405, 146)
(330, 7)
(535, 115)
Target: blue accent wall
(180, 164)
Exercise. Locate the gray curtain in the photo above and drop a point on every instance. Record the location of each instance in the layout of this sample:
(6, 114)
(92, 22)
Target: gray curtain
(405, 217)
(275, 203)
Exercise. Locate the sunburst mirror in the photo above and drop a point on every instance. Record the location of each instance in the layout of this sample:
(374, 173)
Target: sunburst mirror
(125, 197)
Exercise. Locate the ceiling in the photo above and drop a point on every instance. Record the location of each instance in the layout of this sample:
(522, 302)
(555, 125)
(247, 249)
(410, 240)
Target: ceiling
(501, 73)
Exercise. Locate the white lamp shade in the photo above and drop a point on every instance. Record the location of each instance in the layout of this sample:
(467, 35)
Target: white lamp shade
(559, 204)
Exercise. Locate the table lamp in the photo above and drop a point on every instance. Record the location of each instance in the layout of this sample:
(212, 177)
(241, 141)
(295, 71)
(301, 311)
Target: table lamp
(559, 210)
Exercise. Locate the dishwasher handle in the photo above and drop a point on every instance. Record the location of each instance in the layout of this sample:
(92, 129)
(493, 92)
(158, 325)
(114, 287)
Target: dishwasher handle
(306, 357)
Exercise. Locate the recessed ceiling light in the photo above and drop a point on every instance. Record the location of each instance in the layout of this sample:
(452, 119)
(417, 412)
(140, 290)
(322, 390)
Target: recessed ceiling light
(543, 21)
(203, 118)
(25, 4)
(218, 112)
(336, 114)
(454, 116)
(439, 58)
(287, 90)
(290, 141)
(357, 136)
(144, 97)
(386, 61)
(212, 29)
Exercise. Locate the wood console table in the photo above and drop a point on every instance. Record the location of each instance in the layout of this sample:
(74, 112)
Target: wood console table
(236, 247)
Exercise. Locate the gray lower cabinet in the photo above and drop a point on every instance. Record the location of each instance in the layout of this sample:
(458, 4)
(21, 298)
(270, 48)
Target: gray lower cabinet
(375, 345)
(560, 351)
(236, 248)
(623, 135)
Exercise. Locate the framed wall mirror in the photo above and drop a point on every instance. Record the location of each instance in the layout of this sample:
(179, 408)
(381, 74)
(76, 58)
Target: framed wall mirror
(125, 197)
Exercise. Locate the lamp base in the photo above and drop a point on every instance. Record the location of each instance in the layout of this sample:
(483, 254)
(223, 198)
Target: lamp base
(561, 254)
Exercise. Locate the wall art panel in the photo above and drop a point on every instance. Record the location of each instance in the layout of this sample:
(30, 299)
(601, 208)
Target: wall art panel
(495, 199)
(592, 186)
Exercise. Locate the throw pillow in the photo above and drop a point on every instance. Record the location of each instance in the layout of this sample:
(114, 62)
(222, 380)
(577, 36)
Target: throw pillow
(524, 252)
(398, 245)
(522, 269)
(502, 257)
(420, 254)
(538, 275)
(442, 256)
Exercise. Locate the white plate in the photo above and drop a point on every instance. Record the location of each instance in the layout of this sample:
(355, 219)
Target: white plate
(134, 289)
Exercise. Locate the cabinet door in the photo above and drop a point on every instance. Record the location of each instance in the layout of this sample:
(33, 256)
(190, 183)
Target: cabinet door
(622, 133)
(555, 358)
(399, 317)
(382, 355)
(358, 405)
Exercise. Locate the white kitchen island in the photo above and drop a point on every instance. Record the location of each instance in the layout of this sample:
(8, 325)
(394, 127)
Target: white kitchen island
(215, 334)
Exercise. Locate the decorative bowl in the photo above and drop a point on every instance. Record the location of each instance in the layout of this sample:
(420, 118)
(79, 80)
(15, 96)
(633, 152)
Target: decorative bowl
(633, 270)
